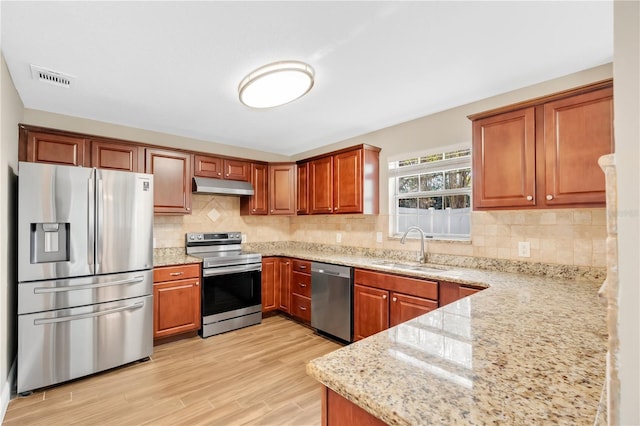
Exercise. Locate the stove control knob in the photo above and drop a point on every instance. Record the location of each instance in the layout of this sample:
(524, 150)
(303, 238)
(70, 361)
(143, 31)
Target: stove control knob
(192, 237)
(237, 236)
(200, 237)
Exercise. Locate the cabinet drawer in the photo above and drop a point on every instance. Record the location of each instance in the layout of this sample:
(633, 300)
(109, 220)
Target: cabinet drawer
(411, 286)
(302, 266)
(178, 272)
(301, 307)
(301, 284)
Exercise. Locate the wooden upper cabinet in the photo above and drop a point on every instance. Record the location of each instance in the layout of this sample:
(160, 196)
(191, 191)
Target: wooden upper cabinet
(171, 180)
(237, 170)
(321, 185)
(282, 189)
(221, 168)
(504, 160)
(117, 156)
(544, 153)
(206, 166)
(302, 189)
(578, 131)
(40, 147)
(347, 182)
(258, 203)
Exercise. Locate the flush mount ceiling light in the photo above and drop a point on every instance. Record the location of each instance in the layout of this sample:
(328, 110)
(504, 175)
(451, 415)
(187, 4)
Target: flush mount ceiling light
(276, 84)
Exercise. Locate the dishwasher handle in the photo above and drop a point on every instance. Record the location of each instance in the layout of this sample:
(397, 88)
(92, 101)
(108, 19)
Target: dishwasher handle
(330, 269)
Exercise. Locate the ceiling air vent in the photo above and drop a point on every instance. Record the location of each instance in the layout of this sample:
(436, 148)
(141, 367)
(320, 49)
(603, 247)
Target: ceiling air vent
(52, 77)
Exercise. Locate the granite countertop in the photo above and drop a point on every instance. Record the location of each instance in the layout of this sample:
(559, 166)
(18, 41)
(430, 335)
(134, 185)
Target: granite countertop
(527, 350)
(172, 256)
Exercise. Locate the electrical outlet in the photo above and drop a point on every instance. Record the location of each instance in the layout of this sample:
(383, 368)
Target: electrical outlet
(378, 237)
(338, 237)
(244, 238)
(524, 249)
(154, 243)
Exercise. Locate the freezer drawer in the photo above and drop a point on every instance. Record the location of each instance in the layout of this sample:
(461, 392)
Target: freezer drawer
(41, 296)
(61, 345)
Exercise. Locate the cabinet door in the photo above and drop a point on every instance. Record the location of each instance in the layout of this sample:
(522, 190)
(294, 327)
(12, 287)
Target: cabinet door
(321, 186)
(370, 311)
(504, 160)
(206, 166)
(237, 170)
(285, 284)
(347, 182)
(257, 204)
(578, 131)
(282, 189)
(302, 196)
(270, 284)
(176, 307)
(56, 149)
(117, 156)
(403, 307)
(171, 180)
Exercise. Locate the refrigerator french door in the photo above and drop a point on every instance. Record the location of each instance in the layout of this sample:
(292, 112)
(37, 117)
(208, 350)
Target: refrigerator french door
(85, 259)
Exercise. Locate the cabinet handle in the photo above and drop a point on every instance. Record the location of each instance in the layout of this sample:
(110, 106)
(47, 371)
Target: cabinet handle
(271, 210)
(529, 198)
(176, 274)
(219, 174)
(302, 308)
(188, 209)
(549, 197)
(395, 299)
(197, 283)
(302, 285)
(303, 267)
(335, 209)
(384, 296)
(329, 209)
(254, 210)
(227, 174)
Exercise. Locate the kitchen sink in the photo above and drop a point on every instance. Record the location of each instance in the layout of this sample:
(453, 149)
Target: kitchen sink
(408, 266)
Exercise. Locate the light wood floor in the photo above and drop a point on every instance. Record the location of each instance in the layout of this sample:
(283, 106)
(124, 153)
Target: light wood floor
(255, 375)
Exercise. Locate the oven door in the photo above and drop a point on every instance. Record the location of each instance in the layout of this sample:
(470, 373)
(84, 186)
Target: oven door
(229, 291)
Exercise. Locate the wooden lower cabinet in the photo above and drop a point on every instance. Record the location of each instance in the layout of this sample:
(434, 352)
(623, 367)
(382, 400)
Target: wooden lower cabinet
(450, 292)
(385, 300)
(284, 291)
(270, 284)
(404, 307)
(301, 290)
(339, 411)
(176, 300)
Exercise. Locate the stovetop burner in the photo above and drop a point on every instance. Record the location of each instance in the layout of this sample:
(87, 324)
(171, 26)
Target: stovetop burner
(219, 249)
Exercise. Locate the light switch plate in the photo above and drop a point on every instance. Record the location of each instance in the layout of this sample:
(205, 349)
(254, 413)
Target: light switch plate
(338, 237)
(378, 237)
(244, 238)
(524, 249)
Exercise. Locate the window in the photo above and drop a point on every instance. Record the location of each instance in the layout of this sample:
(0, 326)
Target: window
(433, 192)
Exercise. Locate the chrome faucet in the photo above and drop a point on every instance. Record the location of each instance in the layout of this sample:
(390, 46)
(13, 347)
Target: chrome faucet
(404, 237)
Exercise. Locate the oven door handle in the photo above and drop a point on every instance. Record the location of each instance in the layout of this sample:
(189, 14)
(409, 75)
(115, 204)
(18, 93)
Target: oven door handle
(225, 270)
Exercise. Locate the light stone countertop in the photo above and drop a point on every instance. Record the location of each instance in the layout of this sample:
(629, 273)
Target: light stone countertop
(172, 256)
(527, 350)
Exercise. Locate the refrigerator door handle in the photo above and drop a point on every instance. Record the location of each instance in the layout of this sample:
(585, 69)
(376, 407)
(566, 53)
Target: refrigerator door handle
(99, 220)
(43, 290)
(91, 226)
(42, 321)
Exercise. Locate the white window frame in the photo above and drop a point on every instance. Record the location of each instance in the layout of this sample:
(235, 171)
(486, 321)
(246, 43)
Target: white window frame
(449, 164)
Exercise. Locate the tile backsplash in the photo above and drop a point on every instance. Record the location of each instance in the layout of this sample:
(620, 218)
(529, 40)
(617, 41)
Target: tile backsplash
(560, 236)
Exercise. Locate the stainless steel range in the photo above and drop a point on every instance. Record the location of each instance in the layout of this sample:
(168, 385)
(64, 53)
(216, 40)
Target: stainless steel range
(231, 278)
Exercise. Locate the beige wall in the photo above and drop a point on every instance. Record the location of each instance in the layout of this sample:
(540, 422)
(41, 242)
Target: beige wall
(627, 131)
(11, 110)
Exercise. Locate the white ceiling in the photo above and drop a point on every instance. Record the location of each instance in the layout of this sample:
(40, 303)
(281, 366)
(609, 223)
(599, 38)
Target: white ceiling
(174, 67)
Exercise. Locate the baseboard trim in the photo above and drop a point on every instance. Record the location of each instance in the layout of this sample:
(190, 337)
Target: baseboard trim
(9, 385)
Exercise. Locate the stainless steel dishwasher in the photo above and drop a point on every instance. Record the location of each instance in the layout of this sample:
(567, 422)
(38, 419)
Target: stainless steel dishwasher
(331, 299)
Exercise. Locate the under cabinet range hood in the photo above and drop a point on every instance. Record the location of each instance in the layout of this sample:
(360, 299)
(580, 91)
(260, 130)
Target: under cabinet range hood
(203, 185)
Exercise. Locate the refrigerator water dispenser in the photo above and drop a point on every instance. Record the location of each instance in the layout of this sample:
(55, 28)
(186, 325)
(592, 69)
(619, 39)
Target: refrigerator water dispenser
(49, 242)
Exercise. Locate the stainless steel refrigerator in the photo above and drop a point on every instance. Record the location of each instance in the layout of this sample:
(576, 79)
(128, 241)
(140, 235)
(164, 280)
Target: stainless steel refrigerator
(85, 259)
